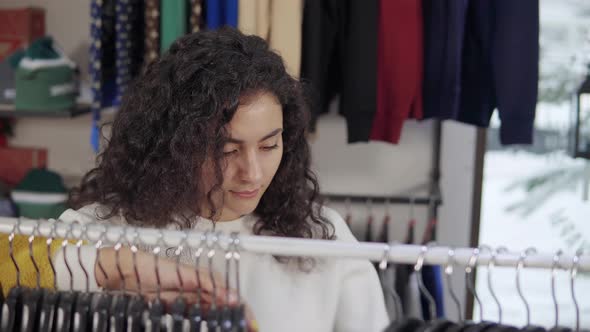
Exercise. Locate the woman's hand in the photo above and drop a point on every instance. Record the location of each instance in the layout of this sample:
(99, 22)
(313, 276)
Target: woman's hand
(170, 285)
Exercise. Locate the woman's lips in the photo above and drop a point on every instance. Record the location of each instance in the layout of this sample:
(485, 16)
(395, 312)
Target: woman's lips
(245, 194)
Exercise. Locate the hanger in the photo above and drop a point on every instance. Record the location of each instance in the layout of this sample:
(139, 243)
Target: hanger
(239, 313)
(156, 310)
(51, 298)
(382, 267)
(519, 266)
(11, 310)
(573, 274)
(469, 268)
(348, 216)
(435, 324)
(65, 309)
(100, 314)
(500, 327)
(178, 308)
(120, 302)
(554, 267)
(137, 304)
(383, 236)
(195, 312)
(226, 312)
(213, 314)
(84, 300)
(448, 270)
(33, 297)
(369, 225)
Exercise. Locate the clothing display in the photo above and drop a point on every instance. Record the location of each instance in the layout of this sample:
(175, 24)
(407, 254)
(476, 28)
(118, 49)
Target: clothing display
(172, 26)
(219, 13)
(339, 57)
(399, 68)
(444, 24)
(279, 23)
(501, 67)
(352, 299)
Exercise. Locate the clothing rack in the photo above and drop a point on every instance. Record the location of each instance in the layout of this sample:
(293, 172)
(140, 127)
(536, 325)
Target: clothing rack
(279, 246)
(383, 199)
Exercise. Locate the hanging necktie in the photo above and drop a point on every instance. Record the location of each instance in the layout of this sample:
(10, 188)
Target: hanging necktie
(152, 30)
(95, 70)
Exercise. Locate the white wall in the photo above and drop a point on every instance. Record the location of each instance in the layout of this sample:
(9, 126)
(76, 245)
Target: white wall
(375, 168)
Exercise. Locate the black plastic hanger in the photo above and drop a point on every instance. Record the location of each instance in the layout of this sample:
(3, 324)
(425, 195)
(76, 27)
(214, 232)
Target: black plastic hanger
(67, 299)
(195, 312)
(156, 310)
(102, 301)
(178, 307)
(118, 314)
(82, 319)
(33, 298)
(213, 314)
(137, 305)
(12, 307)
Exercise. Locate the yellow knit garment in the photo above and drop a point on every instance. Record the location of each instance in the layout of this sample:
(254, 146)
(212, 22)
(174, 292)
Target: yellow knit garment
(28, 274)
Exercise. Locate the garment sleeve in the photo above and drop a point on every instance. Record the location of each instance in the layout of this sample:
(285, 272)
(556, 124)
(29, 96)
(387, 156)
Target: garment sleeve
(22, 256)
(361, 304)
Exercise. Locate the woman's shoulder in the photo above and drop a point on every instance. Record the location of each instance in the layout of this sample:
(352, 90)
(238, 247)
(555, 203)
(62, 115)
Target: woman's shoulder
(94, 212)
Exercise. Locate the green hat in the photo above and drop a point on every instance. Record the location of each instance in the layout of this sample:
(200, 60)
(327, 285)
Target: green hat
(41, 194)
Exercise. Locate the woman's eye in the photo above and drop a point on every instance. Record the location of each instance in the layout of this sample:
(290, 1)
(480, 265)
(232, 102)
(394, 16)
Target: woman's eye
(229, 153)
(269, 148)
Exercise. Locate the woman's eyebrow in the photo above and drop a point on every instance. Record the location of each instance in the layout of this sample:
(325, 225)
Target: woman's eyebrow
(267, 136)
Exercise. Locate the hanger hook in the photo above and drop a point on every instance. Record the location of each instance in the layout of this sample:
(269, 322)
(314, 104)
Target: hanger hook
(198, 253)
(228, 258)
(491, 265)
(11, 248)
(178, 253)
(554, 268)
(418, 270)
(98, 245)
(64, 244)
(83, 235)
(382, 268)
(133, 247)
(50, 238)
(236, 257)
(210, 255)
(387, 206)
(117, 248)
(519, 266)
(156, 252)
(573, 274)
(449, 267)
(471, 264)
(34, 233)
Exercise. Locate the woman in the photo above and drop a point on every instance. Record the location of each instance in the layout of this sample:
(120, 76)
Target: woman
(212, 136)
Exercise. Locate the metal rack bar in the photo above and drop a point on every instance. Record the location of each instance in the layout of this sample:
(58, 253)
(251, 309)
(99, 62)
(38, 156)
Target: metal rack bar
(401, 254)
(384, 199)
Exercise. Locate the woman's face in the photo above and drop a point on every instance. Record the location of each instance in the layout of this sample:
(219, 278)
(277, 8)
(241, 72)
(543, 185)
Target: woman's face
(252, 154)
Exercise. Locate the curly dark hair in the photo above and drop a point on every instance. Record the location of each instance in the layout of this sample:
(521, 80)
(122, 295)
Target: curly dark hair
(173, 118)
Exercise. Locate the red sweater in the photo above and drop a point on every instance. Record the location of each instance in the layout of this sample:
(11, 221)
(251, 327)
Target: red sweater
(399, 68)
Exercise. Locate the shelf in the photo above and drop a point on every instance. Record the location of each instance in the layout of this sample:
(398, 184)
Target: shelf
(8, 111)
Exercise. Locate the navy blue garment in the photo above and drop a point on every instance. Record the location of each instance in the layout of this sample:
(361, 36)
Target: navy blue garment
(501, 66)
(444, 22)
(432, 277)
(221, 12)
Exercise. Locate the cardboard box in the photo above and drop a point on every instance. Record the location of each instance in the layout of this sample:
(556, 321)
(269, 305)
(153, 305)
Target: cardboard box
(16, 162)
(19, 27)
